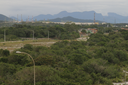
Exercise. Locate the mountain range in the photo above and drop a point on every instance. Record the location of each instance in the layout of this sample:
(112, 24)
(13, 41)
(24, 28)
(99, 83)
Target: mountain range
(86, 15)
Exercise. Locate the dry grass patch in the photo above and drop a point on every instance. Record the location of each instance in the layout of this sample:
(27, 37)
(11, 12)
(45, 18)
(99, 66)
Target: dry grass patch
(12, 45)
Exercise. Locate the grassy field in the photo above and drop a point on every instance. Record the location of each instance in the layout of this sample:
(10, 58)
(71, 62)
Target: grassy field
(12, 45)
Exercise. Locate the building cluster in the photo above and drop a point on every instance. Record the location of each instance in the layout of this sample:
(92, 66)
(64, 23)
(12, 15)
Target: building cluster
(88, 31)
(91, 30)
(124, 28)
(78, 23)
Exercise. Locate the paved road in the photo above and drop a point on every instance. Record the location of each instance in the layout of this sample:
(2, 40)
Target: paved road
(120, 83)
(123, 82)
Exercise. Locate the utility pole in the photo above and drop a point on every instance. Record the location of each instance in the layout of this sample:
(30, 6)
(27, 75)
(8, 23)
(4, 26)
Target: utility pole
(33, 34)
(5, 19)
(21, 18)
(48, 35)
(125, 78)
(17, 18)
(5, 22)
(32, 19)
(33, 64)
(4, 35)
(28, 18)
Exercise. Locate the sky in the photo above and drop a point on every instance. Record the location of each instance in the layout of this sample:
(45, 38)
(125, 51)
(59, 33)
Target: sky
(36, 7)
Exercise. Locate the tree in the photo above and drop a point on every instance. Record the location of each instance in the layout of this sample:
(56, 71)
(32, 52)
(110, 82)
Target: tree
(45, 60)
(83, 31)
(44, 75)
(28, 47)
(20, 59)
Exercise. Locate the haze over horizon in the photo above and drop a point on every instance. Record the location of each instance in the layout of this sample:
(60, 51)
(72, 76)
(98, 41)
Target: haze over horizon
(36, 7)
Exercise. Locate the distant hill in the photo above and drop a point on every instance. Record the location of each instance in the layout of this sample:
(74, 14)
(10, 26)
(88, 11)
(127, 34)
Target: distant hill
(86, 15)
(3, 18)
(69, 18)
(78, 15)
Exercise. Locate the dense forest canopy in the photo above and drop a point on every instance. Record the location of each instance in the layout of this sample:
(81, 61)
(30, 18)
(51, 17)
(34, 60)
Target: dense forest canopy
(98, 61)
(68, 31)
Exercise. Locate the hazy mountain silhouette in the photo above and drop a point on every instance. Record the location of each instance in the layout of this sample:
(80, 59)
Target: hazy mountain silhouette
(4, 18)
(79, 15)
(116, 18)
(86, 15)
(69, 18)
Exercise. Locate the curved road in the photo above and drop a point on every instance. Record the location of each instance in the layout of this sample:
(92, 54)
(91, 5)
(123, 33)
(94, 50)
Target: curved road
(123, 82)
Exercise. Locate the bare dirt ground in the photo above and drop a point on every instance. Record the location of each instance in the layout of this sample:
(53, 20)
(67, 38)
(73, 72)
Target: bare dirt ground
(85, 38)
(13, 45)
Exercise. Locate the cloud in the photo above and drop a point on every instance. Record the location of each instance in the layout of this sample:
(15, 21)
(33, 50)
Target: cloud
(35, 7)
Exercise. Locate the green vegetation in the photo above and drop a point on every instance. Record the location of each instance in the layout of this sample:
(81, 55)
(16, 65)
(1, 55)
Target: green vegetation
(62, 32)
(83, 31)
(98, 61)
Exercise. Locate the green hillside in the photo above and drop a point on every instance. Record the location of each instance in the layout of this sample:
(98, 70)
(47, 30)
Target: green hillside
(66, 19)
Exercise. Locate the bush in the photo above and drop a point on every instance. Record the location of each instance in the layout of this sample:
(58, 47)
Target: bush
(43, 74)
(6, 53)
(6, 69)
(28, 47)
(4, 59)
(44, 60)
(20, 59)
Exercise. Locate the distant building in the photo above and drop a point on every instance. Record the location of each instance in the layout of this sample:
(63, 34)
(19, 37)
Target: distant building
(77, 23)
(104, 23)
(92, 30)
(124, 28)
(126, 25)
(89, 30)
(97, 23)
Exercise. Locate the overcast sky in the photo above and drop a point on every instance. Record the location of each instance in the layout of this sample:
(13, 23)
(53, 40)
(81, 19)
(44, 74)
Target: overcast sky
(36, 7)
